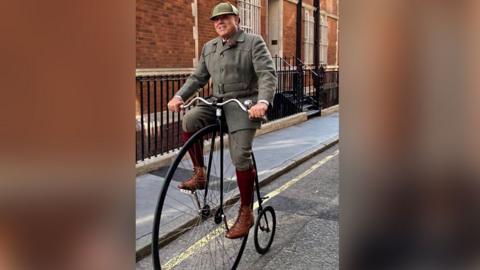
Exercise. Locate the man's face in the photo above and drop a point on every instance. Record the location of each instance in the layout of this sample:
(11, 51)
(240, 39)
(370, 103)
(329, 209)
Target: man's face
(225, 25)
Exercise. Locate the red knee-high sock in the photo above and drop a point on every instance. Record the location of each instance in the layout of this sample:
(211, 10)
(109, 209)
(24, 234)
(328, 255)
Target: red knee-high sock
(196, 151)
(245, 181)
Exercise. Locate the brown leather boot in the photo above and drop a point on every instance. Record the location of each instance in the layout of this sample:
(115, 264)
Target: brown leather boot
(243, 223)
(197, 181)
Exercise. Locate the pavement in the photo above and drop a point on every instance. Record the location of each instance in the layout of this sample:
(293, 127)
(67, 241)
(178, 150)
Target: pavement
(275, 153)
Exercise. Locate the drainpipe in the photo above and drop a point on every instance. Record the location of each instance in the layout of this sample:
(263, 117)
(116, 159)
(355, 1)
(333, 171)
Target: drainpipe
(298, 51)
(316, 47)
(298, 55)
(316, 34)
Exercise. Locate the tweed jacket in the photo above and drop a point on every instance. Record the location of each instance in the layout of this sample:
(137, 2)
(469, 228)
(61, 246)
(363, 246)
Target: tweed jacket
(242, 68)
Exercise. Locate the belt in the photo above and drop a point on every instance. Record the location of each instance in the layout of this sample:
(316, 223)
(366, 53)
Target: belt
(233, 94)
(237, 94)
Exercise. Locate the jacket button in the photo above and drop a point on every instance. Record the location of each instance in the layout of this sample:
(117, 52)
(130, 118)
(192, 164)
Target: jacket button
(221, 70)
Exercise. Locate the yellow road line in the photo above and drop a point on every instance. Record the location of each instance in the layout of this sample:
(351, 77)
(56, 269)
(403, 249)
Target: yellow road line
(204, 241)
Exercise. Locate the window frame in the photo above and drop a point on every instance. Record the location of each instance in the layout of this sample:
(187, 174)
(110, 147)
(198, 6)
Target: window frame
(308, 36)
(250, 15)
(323, 46)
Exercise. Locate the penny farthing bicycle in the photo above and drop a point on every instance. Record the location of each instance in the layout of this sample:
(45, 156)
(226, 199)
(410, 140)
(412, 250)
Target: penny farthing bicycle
(189, 227)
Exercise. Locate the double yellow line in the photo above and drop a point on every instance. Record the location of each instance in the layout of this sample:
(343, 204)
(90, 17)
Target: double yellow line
(212, 235)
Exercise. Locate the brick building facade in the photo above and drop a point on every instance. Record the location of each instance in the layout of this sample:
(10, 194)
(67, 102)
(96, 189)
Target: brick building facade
(171, 33)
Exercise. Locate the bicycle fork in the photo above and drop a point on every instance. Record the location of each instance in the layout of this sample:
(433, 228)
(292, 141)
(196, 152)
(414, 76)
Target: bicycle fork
(223, 217)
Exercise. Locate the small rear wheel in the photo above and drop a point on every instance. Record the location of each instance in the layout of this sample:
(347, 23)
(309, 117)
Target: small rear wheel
(264, 229)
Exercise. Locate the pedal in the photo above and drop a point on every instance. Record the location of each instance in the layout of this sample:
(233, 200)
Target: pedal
(265, 197)
(186, 191)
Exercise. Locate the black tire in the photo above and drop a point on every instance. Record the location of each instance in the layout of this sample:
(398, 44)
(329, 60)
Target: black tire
(265, 229)
(176, 234)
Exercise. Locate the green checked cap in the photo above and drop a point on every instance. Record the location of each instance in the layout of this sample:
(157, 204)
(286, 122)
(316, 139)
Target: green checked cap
(223, 9)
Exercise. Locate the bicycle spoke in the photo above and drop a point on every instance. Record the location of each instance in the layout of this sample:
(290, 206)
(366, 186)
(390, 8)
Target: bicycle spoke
(177, 209)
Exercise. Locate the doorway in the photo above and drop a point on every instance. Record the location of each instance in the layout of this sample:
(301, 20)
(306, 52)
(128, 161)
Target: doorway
(275, 26)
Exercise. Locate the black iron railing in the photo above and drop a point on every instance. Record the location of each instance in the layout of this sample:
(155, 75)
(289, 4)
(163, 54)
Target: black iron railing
(158, 131)
(320, 85)
(329, 93)
(287, 98)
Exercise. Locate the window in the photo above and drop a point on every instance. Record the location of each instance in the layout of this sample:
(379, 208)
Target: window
(323, 39)
(308, 22)
(249, 15)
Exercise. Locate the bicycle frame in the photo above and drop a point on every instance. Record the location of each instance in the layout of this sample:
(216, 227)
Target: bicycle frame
(218, 121)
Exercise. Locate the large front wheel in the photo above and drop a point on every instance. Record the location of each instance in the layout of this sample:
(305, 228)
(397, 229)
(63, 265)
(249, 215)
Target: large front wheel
(189, 228)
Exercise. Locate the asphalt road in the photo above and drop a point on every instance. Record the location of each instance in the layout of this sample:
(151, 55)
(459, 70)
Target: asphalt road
(307, 213)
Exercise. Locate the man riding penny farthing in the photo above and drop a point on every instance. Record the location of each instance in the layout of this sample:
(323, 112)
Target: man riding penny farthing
(240, 67)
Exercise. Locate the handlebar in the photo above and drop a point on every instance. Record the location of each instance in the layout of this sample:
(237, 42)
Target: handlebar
(245, 107)
(218, 104)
